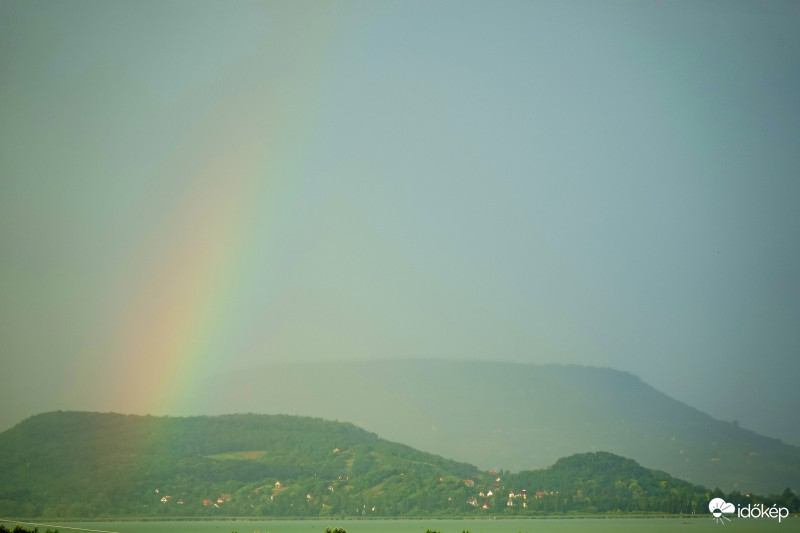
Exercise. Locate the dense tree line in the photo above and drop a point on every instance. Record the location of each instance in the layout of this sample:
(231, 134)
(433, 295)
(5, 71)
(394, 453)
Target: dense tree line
(20, 529)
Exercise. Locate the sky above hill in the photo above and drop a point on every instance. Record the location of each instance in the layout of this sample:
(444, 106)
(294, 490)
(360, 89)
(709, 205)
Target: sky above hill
(188, 188)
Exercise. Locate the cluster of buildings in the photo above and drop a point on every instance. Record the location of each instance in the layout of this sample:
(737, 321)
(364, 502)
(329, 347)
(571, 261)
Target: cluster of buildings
(222, 499)
(514, 498)
(206, 503)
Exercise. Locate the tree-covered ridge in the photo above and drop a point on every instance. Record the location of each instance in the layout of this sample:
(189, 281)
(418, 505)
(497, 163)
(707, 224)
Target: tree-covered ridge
(103, 465)
(93, 464)
(596, 482)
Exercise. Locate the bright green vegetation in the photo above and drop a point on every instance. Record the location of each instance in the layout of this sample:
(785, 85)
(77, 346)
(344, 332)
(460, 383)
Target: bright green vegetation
(92, 465)
(625, 525)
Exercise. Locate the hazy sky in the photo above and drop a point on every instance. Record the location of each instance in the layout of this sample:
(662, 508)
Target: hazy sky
(188, 187)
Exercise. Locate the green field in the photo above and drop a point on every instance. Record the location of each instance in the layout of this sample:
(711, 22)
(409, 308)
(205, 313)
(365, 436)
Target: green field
(650, 525)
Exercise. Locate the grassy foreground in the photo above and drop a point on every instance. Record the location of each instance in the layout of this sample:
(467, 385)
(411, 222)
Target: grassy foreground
(543, 525)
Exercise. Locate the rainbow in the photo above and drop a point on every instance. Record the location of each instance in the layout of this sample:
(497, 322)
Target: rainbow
(173, 324)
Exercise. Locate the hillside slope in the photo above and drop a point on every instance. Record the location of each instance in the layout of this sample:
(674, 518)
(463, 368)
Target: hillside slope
(76, 464)
(93, 464)
(515, 416)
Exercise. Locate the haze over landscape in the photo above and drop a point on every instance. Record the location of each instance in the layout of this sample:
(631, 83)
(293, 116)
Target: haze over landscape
(193, 191)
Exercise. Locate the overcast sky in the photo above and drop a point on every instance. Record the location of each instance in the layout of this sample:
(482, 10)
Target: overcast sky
(188, 187)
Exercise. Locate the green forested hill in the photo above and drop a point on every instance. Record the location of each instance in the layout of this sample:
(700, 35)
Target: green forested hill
(89, 464)
(76, 464)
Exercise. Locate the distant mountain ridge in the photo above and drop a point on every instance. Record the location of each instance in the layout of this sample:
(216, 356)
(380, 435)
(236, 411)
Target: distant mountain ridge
(87, 465)
(514, 416)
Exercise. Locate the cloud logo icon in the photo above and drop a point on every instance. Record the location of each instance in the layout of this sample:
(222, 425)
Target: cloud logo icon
(719, 507)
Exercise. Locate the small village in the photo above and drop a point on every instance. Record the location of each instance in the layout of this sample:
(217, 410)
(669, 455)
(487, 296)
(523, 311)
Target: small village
(485, 498)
